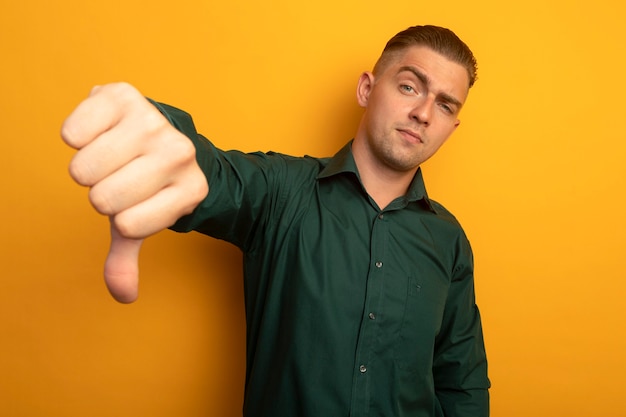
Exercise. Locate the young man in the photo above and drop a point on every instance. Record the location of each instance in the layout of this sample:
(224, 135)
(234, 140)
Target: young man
(359, 289)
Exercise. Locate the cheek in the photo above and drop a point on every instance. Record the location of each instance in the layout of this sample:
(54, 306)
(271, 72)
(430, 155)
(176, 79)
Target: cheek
(384, 105)
(378, 117)
(445, 128)
(440, 136)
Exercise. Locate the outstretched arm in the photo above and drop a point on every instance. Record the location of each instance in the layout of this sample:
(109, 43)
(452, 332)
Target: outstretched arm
(141, 171)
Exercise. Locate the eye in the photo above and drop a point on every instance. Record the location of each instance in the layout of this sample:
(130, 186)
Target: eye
(447, 108)
(405, 88)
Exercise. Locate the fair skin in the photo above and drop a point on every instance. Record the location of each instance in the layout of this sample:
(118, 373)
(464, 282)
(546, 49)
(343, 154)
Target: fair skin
(143, 174)
(411, 108)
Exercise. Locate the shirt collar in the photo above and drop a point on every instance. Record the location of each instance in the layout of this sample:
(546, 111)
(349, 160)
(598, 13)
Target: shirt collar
(343, 162)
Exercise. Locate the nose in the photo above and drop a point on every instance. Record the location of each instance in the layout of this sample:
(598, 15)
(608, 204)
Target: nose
(422, 111)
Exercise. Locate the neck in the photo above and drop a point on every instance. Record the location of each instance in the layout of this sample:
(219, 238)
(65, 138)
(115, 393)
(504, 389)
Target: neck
(382, 183)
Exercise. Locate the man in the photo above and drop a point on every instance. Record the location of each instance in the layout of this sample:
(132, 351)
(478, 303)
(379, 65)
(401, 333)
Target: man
(359, 289)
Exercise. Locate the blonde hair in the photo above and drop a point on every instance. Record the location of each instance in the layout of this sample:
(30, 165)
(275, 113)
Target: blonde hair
(439, 39)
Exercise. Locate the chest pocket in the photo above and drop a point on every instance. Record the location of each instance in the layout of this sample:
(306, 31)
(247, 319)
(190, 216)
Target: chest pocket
(424, 305)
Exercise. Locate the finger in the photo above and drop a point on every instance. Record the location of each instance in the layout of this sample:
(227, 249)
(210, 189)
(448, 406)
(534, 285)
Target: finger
(132, 136)
(103, 156)
(145, 176)
(163, 209)
(121, 269)
(93, 116)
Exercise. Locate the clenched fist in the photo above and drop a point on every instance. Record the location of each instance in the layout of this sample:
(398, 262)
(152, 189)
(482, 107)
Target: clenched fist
(141, 171)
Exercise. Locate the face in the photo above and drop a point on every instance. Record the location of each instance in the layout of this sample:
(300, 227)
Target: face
(411, 107)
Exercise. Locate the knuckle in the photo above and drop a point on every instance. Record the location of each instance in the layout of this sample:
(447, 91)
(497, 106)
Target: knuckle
(80, 172)
(121, 94)
(176, 150)
(139, 222)
(126, 226)
(198, 189)
(101, 201)
(186, 150)
(152, 117)
(128, 95)
(121, 88)
(70, 135)
(201, 188)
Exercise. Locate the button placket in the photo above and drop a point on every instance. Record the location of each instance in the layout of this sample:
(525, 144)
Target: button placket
(367, 342)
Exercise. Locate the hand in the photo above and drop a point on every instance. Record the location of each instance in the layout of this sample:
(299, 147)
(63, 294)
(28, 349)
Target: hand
(142, 173)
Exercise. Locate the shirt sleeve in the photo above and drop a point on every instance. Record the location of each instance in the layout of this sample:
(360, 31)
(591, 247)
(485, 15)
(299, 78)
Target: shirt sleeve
(460, 363)
(243, 189)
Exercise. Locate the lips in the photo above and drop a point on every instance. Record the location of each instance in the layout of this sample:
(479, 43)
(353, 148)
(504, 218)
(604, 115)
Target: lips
(411, 135)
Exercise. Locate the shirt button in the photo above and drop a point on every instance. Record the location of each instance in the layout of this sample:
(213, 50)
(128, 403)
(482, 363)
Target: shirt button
(379, 264)
(362, 369)
(381, 216)
(372, 316)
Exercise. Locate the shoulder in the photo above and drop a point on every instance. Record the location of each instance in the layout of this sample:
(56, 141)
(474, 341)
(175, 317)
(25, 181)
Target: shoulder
(448, 233)
(283, 168)
(444, 216)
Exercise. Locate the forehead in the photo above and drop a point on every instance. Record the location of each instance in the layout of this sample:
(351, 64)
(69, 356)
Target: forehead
(441, 71)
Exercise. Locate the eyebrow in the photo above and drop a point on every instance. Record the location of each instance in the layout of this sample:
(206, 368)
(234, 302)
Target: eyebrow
(426, 81)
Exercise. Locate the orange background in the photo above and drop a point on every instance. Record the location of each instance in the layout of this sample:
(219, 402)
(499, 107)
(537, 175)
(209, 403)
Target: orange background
(535, 173)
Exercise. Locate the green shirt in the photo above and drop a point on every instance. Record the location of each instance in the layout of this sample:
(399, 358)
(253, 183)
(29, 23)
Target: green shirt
(351, 310)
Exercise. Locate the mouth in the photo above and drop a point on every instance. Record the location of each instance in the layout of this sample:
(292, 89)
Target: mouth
(411, 135)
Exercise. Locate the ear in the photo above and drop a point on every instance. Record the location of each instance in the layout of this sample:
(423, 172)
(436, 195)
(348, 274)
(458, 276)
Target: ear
(364, 88)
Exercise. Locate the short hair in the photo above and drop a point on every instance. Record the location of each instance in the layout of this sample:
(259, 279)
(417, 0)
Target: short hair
(439, 39)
